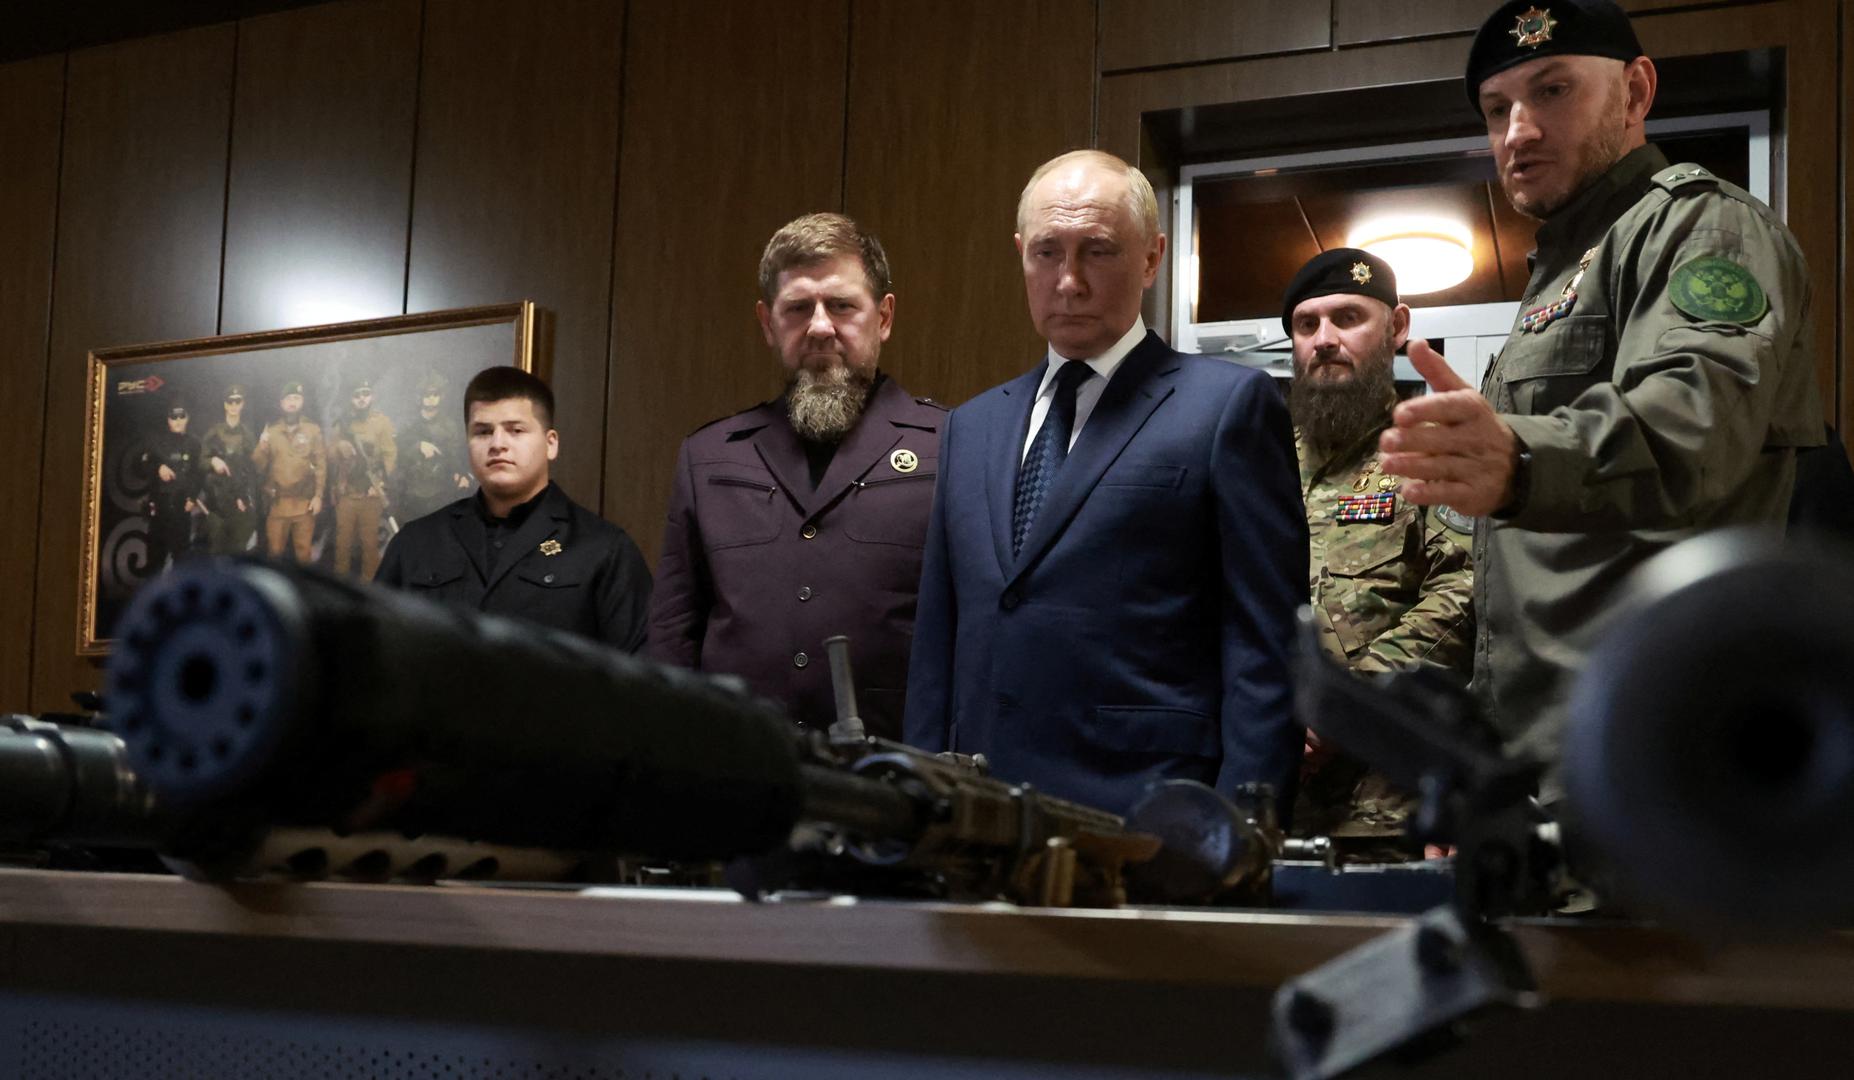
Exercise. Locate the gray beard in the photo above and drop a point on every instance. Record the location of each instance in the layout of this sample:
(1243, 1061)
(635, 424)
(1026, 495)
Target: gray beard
(824, 405)
(1333, 416)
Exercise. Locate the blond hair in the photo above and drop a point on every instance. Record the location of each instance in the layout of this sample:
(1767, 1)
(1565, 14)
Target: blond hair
(1142, 203)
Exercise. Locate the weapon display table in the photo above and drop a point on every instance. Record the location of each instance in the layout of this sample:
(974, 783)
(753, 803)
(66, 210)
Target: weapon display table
(151, 977)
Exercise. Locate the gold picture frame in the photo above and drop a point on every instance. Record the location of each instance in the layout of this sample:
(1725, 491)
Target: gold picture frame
(145, 402)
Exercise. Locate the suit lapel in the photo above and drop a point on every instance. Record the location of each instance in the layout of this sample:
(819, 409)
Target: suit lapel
(547, 520)
(469, 532)
(1130, 397)
(778, 446)
(866, 445)
(1004, 449)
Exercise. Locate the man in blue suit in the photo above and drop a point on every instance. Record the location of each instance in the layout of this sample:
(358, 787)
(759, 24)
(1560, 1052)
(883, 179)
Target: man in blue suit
(1117, 544)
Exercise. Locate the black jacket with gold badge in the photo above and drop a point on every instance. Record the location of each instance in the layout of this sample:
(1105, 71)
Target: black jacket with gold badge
(561, 566)
(758, 567)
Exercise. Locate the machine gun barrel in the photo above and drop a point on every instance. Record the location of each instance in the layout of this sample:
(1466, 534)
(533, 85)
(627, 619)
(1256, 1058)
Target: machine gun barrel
(296, 699)
(68, 787)
(314, 701)
(70, 784)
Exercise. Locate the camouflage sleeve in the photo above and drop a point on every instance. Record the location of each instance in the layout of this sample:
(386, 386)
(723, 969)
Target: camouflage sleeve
(1712, 364)
(1438, 629)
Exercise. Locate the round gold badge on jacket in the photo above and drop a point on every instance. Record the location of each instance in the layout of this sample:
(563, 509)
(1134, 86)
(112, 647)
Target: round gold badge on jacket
(904, 460)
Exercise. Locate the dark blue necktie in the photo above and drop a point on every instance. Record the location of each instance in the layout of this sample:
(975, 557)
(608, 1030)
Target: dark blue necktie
(1047, 451)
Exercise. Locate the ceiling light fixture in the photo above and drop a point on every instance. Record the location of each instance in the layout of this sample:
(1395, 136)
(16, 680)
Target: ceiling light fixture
(1427, 254)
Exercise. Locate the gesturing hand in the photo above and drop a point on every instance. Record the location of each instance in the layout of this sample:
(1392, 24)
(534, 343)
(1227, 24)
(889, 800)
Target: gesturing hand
(1450, 445)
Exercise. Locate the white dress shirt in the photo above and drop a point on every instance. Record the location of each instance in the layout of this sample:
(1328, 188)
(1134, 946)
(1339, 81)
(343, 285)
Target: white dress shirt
(1089, 392)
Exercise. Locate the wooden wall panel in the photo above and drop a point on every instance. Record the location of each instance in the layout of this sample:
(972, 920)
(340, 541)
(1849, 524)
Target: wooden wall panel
(952, 106)
(513, 188)
(717, 155)
(1805, 30)
(1365, 22)
(140, 214)
(1844, 306)
(1154, 33)
(31, 103)
(321, 166)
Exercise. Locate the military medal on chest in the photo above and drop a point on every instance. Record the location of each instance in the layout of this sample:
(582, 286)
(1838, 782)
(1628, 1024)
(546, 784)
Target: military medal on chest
(1375, 507)
(1363, 479)
(1369, 505)
(1536, 320)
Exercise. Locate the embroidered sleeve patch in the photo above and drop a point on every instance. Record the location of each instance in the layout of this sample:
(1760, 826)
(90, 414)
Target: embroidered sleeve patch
(1717, 290)
(1455, 519)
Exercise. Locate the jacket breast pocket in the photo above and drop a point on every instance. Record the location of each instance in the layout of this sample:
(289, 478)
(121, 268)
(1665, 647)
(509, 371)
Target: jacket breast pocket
(555, 595)
(1366, 547)
(736, 510)
(1373, 574)
(1544, 371)
(1138, 475)
(892, 509)
(440, 577)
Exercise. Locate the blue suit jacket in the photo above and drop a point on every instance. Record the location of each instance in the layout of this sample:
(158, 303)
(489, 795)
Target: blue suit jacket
(1145, 630)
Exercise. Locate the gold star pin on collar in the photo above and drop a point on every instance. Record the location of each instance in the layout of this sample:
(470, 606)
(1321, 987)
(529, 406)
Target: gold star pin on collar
(1533, 28)
(1361, 273)
(550, 547)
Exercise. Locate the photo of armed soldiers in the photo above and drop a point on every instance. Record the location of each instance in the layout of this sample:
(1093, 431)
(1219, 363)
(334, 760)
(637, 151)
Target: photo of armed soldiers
(434, 467)
(228, 497)
(171, 466)
(292, 464)
(363, 464)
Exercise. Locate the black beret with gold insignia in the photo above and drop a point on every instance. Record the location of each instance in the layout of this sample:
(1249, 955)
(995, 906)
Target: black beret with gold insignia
(1339, 270)
(1528, 29)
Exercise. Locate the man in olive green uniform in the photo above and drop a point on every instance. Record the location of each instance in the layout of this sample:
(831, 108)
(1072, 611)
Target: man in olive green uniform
(230, 492)
(365, 458)
(436, 469)
(1391, 582)
(172, 465)
(292, 461)
(1657, 384)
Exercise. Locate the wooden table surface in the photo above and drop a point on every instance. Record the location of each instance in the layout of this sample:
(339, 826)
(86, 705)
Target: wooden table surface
(1228, 948)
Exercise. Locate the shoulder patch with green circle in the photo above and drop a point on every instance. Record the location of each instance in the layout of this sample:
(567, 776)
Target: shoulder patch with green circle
(1717, 290)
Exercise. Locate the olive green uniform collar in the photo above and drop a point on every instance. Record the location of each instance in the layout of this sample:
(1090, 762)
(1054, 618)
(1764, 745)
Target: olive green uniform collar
(1602, 201)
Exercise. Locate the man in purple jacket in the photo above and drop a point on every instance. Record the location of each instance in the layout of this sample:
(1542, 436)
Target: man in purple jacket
(803, 517)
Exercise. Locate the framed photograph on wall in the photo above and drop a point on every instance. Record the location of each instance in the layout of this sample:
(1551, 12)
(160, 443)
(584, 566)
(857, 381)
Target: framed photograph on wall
(314, 445)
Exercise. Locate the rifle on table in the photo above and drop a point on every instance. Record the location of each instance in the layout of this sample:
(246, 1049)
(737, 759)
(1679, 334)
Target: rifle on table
(285, 696)
(69, 799)
(1708, 770)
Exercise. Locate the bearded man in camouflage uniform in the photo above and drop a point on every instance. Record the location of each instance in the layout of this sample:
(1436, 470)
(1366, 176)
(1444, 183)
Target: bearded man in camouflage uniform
(1391, 582)
(1658, 382)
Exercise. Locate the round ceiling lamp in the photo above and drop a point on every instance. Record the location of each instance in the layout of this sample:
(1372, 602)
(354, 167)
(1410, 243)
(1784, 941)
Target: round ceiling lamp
(1427, 254)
